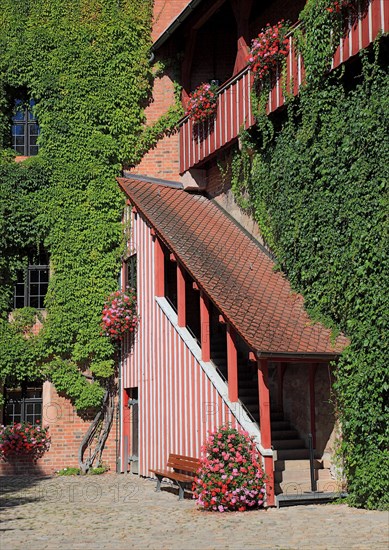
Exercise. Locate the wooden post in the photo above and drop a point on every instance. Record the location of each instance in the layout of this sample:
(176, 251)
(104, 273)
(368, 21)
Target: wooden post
(265, 425)
(312, 403)
(181, 296)
(159, 268)
(205, 328)
(232, 364)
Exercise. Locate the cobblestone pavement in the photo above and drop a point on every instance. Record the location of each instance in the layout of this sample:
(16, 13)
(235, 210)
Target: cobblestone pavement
(123, 511)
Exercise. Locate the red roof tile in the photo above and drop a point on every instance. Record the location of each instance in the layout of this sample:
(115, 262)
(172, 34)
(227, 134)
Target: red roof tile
(235, 272)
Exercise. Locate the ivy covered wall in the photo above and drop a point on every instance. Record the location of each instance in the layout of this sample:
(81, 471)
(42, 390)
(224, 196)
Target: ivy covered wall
(85, 63)
(319, 191)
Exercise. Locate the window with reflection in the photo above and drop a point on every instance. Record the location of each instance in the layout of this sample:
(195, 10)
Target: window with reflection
(32, 283)
(24, 128)
(23, 403)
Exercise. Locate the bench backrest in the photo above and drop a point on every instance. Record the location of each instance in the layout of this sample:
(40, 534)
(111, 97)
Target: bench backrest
(182, 463)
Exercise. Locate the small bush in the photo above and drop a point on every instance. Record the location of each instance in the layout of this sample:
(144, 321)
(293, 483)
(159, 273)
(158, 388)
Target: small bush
(98, 470)
(69, 472)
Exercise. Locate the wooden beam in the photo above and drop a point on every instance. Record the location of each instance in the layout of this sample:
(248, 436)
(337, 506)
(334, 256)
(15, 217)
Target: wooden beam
(269, 471)
(264, 402)
(181, 296)
(265, 426)
(242, 11)
(312, 403)
(205, 328)
(232, 364)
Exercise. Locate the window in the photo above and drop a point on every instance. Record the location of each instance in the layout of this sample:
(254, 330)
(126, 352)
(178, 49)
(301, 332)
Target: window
(131, 272)
(31, 285)
(23, 403)
(25, 129)
(170, 279)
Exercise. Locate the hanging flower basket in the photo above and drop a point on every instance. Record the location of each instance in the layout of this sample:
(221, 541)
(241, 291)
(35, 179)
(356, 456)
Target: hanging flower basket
(119, 316)
(23, 439)
(337, 6)
(202, 103)
(268, 50)
(230, 477)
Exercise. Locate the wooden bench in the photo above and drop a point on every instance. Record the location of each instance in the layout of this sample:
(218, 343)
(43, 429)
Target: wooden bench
(183, 472)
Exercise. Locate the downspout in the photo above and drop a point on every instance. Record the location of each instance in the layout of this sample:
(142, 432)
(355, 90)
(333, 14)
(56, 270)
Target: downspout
(119, 416)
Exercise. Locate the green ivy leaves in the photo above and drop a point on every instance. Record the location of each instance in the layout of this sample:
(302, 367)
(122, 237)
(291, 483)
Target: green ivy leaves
(85, 62)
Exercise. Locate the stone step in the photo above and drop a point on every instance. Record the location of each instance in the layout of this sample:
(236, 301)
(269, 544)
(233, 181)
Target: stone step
(292, 454)
(288, 444)
(295, 488)
(284, 434)
(308, 498)
(301, 475)
(296, 464)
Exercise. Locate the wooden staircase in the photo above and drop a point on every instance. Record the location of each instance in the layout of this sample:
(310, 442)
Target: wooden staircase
(292, 477)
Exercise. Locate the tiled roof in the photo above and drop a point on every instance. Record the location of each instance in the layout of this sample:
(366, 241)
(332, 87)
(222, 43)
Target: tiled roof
(236, 274)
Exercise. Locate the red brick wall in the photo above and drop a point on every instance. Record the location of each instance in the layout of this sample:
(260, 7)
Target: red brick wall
(165, 11)
(66, 430)
(163, 160)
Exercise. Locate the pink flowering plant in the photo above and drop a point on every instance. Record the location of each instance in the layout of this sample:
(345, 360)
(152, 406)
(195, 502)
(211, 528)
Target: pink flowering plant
(119, 314)
(336, 6)
(23, 438)
(268, 50)
(230, 477)
(202, 102)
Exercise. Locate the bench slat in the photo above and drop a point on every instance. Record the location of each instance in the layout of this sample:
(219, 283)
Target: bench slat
(173, 475)
(184, 471)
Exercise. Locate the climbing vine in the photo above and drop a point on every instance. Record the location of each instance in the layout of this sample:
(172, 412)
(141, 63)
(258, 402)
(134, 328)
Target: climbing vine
(85, 63)
(319, 192)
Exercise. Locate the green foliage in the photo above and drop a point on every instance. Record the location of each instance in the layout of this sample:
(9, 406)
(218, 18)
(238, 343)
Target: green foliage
(71, 471)
(318, 38)
(24, 319)
(85, 62)
(319, 191)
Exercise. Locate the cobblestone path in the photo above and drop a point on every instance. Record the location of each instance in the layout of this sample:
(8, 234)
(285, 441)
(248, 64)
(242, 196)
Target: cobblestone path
(119, 512)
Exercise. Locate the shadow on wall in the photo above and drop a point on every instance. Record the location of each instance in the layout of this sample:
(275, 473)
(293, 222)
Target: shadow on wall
(297, 404)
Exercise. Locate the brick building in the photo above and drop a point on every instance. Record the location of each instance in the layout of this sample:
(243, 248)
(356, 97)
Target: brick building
(222, 336)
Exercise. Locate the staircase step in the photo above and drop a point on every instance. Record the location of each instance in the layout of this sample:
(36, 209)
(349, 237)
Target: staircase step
(292, 454)
(307, 498)
(291, 444)
(280, 425)
(295, 464)
(284, 434)
(295, 488)
(276, 415)
(302, 476)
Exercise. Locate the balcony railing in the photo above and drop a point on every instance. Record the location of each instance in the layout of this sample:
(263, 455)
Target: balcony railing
(234, 112)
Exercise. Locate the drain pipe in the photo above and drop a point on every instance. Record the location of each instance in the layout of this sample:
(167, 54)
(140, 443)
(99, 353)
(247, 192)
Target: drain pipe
(119, 414)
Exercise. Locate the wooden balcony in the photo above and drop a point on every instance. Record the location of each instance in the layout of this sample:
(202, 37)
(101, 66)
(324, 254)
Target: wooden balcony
(199, 141)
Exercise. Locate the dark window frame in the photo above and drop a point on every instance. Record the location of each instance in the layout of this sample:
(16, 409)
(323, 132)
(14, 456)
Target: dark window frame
(131, 272)
(24, 122)
(25, 408)
(31, 287)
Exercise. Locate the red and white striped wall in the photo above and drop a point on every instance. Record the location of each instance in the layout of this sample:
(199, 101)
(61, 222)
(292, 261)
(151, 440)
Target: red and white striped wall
(180, 397)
